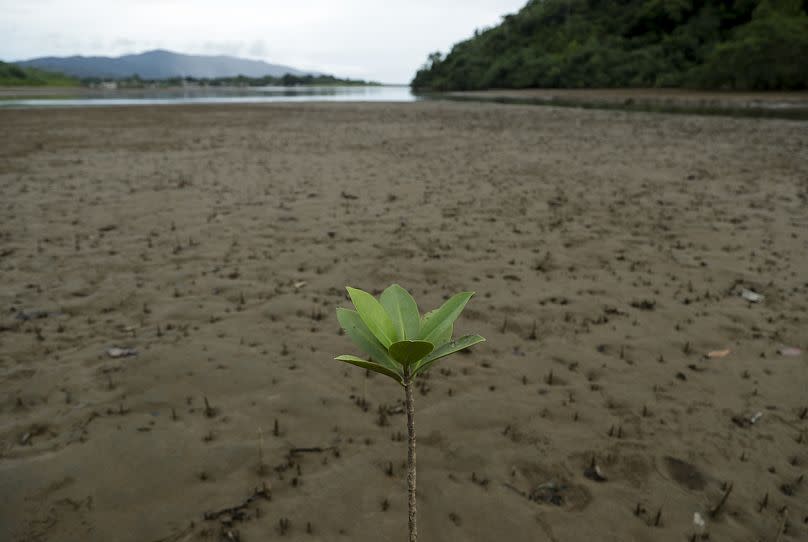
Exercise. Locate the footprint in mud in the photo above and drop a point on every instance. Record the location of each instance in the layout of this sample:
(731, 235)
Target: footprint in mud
(685, 474)
(549, 486)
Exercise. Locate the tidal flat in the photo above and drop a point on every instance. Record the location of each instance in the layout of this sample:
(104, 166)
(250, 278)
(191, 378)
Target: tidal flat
(626, 384)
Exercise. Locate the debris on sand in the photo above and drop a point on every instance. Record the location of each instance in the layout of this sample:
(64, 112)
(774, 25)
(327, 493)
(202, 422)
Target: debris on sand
(747, 421)
(593, 472)
(718, 354)
(789, 351)
(116, 352)
(752, 296)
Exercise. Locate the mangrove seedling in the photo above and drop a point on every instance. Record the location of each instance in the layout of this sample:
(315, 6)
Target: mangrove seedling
(402, 344)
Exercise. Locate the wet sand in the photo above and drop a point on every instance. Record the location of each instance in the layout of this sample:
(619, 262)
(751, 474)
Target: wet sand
(608, 250)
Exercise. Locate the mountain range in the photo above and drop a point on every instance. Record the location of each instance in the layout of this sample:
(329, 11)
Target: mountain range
(159, 64)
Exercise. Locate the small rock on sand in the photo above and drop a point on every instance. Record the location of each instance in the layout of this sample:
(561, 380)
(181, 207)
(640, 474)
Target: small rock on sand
(116, 352)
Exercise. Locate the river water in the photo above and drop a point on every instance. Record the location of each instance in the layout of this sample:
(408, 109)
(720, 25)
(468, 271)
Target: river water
(207, 95)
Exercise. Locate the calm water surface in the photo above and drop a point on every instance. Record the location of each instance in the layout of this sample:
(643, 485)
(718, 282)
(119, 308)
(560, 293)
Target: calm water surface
(216, 96)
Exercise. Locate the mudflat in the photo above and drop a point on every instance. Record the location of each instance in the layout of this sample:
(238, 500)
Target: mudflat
(703, 98)
(610, 252)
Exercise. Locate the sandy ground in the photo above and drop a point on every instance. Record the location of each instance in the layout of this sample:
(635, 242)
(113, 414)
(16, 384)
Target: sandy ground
(608, 250)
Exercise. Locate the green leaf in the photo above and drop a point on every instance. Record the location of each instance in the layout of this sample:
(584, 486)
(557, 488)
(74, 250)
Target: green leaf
(444, 337)
(371, 366)
(403, 311)
(374, 316)
(437, 323)
(359, 333)
(449, 348)
(407, 352)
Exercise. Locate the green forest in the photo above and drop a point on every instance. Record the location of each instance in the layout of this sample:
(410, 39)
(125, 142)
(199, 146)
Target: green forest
(17, 76)
(287, 80)
(12, 75)
(709, 44)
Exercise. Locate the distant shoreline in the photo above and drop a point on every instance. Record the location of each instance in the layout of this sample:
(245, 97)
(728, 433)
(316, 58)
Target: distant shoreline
(9, 92)
(779, 104)
(791, 105)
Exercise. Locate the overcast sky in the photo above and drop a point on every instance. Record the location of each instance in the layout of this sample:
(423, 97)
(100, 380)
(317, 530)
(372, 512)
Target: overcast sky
(369, 39)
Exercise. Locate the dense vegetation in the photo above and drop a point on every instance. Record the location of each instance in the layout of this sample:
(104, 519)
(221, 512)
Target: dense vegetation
(741, 44)
(287, 80)
(13, 75)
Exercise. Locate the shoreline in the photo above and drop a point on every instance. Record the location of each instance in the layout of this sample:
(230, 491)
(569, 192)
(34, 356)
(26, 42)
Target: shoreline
(32, 92)
(782, 105)
(775, 104)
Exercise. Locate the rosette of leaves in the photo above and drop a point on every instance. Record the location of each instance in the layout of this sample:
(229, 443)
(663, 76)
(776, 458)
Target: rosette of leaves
(402, 344)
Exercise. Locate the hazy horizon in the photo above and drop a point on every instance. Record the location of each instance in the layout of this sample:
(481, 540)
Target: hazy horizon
(348, 38)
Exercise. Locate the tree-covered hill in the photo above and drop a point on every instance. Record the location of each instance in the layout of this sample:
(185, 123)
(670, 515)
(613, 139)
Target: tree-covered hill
(742, 44)
(13, 75)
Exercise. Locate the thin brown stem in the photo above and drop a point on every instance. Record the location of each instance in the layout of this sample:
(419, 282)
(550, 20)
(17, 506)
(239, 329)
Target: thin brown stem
(411, 459)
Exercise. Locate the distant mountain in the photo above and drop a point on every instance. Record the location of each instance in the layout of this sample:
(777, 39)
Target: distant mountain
(158, 64)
